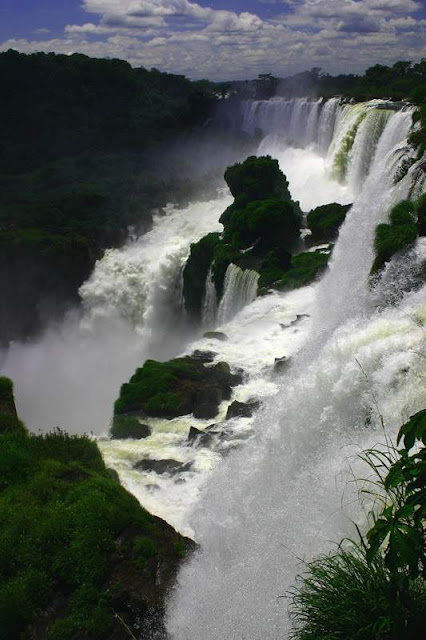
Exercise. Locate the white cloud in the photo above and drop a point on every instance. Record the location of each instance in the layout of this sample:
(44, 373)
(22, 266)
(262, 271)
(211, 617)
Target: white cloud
(185, 37)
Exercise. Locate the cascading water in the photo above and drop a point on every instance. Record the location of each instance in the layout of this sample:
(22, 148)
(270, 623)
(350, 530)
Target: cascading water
(280, 498)
(209, 311)
(278, 495)
(239, 289)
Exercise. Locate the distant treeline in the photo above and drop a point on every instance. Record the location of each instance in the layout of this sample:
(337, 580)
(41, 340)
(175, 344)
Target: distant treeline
(79, 141)
(403, 80)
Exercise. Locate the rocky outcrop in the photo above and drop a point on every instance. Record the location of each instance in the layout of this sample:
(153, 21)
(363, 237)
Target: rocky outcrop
(176, 388)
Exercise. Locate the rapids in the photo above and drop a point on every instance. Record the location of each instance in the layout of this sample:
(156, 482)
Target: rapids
(278, 486)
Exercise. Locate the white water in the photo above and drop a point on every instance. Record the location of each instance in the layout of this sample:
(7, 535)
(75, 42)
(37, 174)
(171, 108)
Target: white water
(239, 289)
(286, 496)
(279, 495)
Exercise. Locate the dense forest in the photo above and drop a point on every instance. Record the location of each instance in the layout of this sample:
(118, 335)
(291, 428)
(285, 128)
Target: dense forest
(80, 161)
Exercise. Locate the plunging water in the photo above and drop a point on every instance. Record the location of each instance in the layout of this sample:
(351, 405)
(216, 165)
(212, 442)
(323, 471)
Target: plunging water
(286, 496)
(277, 491)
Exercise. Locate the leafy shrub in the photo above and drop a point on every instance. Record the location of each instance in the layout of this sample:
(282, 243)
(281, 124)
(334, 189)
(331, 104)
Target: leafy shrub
(346, 597)
(257, 179)
(393, 237)
(325, 221)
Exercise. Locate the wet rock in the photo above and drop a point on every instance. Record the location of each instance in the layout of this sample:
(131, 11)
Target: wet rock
(216, 335)
(203, 356)
(193, 434)
(241, 409)
(207, 403)
(128, 426)
(175, 388)
(281, 364)
(168, 466)
(199, 438)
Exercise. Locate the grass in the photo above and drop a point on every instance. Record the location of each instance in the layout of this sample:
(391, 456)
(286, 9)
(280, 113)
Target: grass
(344, 597)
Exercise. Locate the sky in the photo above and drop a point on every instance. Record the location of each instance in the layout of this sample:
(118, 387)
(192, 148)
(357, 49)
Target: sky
(222, 39)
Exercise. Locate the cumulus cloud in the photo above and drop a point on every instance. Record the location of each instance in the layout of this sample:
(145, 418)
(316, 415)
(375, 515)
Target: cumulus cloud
(184, 37)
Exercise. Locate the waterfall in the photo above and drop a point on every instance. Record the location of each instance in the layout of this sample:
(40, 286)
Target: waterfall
(271, 490)
(296, 120)
(290, 492)
(209, 310)
(239, 289)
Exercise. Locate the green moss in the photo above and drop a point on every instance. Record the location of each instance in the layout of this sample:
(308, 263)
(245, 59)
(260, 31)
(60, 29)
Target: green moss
(304, 269)
(257, 178)
(341, 160)
(396, 236)
(125, 426)
(153, 388)
(325, 221)
(195, 273)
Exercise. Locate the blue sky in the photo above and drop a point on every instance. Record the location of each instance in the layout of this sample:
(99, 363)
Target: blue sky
(222, 39)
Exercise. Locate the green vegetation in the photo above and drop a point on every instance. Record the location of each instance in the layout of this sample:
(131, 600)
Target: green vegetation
(304, 268)
(75, 547)
(257, 179)
(400, 233)
(196, 270)
(344, 597)
(79, 163)
(377, 590)
(176, 388)
(340, 166)
(261, 227)
(325, 222)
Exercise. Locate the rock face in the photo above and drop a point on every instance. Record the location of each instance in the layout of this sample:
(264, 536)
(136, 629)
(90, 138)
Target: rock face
(176, 388)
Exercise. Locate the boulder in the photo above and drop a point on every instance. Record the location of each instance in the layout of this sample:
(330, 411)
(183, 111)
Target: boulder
(241, 409)
(168, 466)
(216, 335)
(281, 364)
(206, 357)
(128, 426)
(175, 388)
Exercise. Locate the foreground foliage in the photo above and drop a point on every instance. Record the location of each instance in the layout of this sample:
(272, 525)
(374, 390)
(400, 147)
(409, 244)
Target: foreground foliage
(75, 548)
(377, 590)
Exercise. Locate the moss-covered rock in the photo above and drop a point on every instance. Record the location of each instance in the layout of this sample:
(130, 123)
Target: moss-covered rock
(292, 272)
(176, 388)
(325, 221)
(79, 557)
(257, 178)
(128, 426)
(399, 234)
(195, 272)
